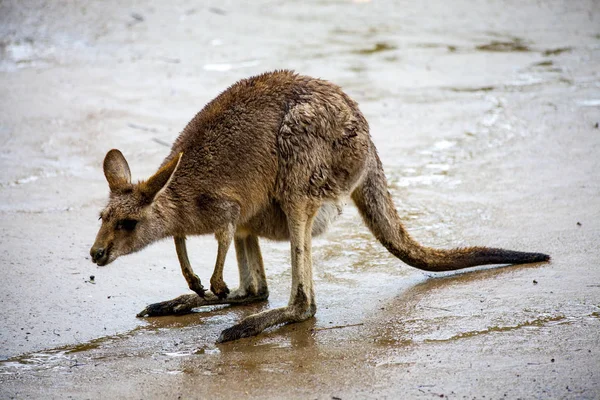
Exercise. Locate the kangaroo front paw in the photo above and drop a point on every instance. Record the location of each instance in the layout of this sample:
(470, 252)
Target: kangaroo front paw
(196, 286)
(180, 305)
(200, 291)
(219, 288)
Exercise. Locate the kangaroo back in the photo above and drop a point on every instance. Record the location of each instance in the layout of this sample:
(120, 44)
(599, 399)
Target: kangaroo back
(379, 214)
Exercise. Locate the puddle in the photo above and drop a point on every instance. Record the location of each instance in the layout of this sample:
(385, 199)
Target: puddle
(224, 67)
(444, 144)
(589, 103)
(65, 356)
(495, 329)
(421, 180)
(439, 167)
(29, 179)
(60, 359)
(24, 53)
(179, 353)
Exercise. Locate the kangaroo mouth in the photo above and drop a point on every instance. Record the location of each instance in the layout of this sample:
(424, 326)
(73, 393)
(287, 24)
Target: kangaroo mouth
(102, 261)
(102, 257)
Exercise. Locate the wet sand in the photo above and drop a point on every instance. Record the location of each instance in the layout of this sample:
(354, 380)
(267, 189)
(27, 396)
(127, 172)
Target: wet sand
(486, 119)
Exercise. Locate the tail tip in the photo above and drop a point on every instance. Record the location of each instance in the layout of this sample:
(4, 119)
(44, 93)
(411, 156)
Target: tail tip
(542, 257)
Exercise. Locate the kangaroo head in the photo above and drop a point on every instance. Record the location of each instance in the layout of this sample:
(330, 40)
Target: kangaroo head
(131, 220)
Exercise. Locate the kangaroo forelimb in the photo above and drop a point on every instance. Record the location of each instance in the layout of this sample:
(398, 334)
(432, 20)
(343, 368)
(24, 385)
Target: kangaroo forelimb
(217, 284)
(192, 279)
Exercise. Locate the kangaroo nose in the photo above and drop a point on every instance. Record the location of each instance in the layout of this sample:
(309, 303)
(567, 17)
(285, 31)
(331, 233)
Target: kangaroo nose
(97, 254)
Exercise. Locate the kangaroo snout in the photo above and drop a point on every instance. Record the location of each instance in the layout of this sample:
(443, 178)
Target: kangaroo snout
(99, 255)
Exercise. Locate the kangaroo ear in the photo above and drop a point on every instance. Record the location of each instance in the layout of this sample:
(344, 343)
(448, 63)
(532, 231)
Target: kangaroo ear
(116, 170)
(160, 179)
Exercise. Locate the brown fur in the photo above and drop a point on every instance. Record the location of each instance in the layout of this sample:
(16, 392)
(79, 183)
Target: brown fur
(271, 156)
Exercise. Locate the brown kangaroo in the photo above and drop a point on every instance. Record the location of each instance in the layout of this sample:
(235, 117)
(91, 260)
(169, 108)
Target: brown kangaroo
(271, 156)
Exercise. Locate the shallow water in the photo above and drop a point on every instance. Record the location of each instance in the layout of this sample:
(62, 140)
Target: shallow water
(485, 117)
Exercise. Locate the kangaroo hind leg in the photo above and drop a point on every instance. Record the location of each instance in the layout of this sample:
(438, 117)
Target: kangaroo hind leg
(253, 281)
(301, 305)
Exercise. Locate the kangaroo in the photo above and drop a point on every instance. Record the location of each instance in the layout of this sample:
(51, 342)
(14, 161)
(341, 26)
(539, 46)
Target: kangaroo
(272, 156)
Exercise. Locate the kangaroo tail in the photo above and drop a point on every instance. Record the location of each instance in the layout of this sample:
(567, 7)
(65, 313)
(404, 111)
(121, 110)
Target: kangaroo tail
(379, 214)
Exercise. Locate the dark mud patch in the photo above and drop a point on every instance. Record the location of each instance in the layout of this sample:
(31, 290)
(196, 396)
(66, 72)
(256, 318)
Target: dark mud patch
(557, 51)
(547, 66)
(471, 89)
(367, 33)
(547, 63)
(448, 47)
(514, 45)
(379, 47)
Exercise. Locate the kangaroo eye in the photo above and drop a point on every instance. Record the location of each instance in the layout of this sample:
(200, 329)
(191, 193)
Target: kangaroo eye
(126, 224)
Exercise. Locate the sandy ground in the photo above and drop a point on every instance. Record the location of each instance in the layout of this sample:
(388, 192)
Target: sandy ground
(486, 118)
